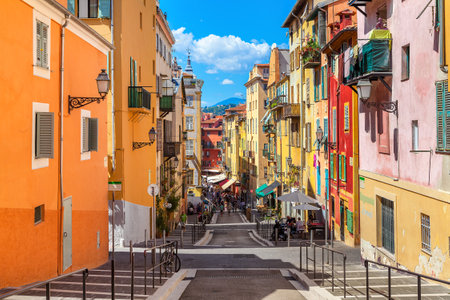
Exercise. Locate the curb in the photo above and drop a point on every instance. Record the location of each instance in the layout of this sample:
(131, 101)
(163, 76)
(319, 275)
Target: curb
(244, 219)
(312, 290)
(169, 286)
(205, 239)
(262, 240)
(214, 219)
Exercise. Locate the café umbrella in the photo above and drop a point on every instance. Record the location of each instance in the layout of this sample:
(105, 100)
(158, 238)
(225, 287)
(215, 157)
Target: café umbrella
(306, 207)
(296, 197)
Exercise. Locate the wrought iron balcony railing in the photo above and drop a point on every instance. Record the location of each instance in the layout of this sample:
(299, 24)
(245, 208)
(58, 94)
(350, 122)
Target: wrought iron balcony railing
(138, 97)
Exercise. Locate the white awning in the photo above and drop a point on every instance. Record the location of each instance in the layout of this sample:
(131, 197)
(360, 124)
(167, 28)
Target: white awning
(266, 116)
(228, 184)
(217, 178)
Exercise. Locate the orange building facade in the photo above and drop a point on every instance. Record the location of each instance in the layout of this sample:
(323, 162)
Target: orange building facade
(53, 194)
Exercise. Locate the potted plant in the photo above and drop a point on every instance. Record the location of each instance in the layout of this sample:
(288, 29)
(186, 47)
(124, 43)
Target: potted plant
(311, 51)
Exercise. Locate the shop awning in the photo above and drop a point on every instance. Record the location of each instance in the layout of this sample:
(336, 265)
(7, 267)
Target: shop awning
(217, 178)
(266, 117)
(259, 191)
(228, 184)
(271, 187)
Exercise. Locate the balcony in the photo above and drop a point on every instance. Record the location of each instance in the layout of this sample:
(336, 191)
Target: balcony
(311, 54)
(171, 149)
(269, 129)
(278, 102)
(312, 61)
(139, 97)
(189, 83)
(373, 62)
(291, 111)
(166, 104)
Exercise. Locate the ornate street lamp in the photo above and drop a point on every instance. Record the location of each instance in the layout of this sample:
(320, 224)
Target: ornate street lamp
(103, 83)
(175, 162)
(319, 133)
(151, 138)
(364, 88)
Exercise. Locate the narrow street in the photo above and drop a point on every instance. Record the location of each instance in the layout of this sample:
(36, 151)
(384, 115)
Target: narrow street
(236, 273)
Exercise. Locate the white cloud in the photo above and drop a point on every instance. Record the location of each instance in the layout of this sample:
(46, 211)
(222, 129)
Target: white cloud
(183, 40)
(221, 53)
(211, 71)
(227, 81)
(274, 45)
(240, 95)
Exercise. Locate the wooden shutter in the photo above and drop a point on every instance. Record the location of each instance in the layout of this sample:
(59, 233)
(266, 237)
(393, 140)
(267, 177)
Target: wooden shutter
(38, 43)
(159, 140)
(383, 132)
(85, 133)
(308, 137)
(332, 165)
(307, 90)
(346, 117)
(447, 117)
(44, 44)
(322, 29)
(44, 135)
(93, 134)
(440, 102)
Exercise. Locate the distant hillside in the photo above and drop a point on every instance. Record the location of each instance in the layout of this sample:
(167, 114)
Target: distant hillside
(219, 108)
(233, 100)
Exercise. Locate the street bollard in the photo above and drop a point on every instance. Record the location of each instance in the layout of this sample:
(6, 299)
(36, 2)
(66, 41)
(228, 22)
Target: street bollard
(289, 237)
(276, 236)
(181, 241)
(164, 237)
(145, 237)
(131, 251)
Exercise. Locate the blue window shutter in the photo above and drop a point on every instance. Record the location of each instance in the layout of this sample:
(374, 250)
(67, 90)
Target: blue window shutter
(71, 6)
(332, 165)
(318, 181)
(104, 9)
(326, 183)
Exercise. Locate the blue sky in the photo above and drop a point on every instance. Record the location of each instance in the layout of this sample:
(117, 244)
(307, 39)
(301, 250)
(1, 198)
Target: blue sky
(226, 38)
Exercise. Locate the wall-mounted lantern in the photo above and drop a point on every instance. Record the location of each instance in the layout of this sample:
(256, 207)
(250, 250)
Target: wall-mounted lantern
(103, 83)
(151, 138)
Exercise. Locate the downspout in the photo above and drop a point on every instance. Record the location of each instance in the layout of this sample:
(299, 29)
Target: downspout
(61, 142)
(113, 113)
(443, 67)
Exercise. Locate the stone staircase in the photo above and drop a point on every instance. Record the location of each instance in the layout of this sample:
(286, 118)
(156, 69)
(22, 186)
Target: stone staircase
(403, 286)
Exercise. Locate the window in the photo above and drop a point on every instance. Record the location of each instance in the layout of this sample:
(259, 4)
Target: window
(42, 44)
(332, 206)
(39, 214)
(346, 117)
(207, 153)
(334, 124)
(44, 135)
(90, 8)
(316, 85)
(190, 177)
(405, 62)
(189, 147)
(426, 232)
(325, 132)
(189, 100)
(308, 137)
(324, 82)
(387, 225)
(189, 123)
(343, 168)
(90, 134)
(415, 134)
(383, 132)
(443, 116)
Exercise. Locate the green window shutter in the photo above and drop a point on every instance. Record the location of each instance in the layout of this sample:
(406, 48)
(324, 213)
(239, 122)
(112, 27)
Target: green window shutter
(85, 135)
(44, 44)
(349, 221)
(332, 165)
(93, 134)
(44, 135)
(344, 168)
(340, 166)
(322, 82)
(441, 87)
(447, 117)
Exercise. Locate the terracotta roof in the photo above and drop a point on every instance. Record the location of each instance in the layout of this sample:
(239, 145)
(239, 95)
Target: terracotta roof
(214, 128)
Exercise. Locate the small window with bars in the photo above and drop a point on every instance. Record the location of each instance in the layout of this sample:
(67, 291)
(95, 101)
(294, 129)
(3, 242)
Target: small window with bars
(346, 117)
(387, 225)
(90, 134)
(426, 232)
(38, 214)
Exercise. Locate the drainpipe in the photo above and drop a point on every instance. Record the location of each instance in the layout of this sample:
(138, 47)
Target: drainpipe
(113, 113)
(61, 141)
(443, 67)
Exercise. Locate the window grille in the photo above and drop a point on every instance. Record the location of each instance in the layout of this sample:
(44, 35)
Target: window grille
(387, 225)
(426, 233)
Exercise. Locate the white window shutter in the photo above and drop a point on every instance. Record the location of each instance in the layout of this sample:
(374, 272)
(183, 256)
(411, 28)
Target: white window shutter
(44, 39)
(38, 42)
(85, 133)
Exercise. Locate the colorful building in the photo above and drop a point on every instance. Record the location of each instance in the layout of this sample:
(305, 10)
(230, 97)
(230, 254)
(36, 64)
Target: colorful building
(256, 98)
(404, 136)
(192, 92)
(54, 179)
(342, 128)
(212, 144)
(135, 114)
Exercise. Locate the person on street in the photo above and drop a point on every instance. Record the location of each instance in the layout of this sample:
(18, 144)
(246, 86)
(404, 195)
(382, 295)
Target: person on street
(183, 221)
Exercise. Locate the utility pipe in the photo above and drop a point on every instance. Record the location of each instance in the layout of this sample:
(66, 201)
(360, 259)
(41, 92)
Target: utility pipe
(443, 67)
(61, 141)
(113, 113)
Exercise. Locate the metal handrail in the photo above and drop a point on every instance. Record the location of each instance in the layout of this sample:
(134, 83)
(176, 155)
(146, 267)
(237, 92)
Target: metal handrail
(333, 252)
(47, 285)
(169, 245)
(418, 275)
